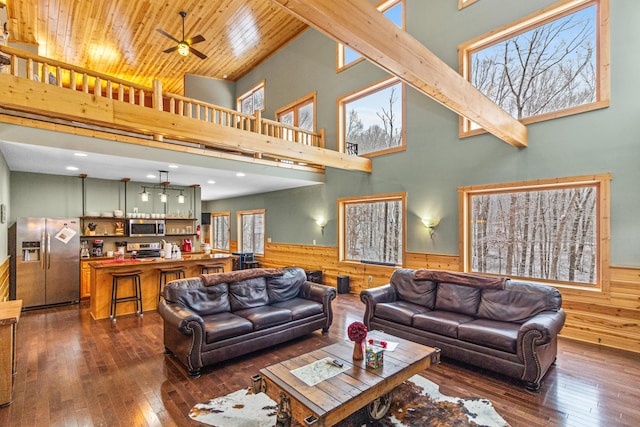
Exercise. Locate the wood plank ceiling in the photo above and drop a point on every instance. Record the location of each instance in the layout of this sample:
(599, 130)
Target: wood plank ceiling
(119, 37)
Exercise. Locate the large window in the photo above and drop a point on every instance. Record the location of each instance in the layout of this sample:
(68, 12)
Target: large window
(372, 229)
(550, 64)
(252, 100)
(550, 230)
(251, 230)
(220, 230)
(393, 10)
(371, 120)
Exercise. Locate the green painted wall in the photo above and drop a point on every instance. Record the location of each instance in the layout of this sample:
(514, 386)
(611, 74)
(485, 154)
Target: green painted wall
(436, 162)
(213, 91)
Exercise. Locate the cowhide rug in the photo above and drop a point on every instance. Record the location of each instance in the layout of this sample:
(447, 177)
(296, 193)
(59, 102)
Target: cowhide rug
(415, 403)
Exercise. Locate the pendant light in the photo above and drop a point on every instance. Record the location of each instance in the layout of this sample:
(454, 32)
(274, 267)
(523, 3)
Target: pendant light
(181, 198)
(144, 195)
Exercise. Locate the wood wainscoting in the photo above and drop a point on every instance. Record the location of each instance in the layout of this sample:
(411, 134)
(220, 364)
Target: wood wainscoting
(4, 280)
(611, 319)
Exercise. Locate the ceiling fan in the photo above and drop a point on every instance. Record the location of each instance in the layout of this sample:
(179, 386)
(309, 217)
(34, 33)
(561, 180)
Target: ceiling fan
(184, 46)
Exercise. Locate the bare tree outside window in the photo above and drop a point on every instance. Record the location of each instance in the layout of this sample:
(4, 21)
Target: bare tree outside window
(548, 65)
(252, 231)
(373, 230)
(374, 119)
(540, 234)
(252, 100)
(220, 232)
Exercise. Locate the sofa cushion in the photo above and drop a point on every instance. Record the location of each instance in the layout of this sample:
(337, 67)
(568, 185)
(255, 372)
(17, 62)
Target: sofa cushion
(399, 311)
(458, 298)
(286, 286)
(419, 292)
(248, 293)
(441, 322)
(490, 333)
(225, 325)
(300, 308)
(518, 302)
(265, 316)
(204, 300)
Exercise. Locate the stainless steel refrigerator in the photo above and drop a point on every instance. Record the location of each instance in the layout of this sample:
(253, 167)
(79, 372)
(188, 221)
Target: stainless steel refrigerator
(45, 261)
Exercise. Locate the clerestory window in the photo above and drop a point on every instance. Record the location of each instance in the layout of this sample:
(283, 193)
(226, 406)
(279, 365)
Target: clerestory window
(550, 64)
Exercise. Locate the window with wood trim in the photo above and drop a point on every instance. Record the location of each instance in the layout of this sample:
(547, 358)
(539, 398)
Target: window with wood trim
(372, 229)
(393, 10)
(252, 100)
(550, 64)
(220, 230)
(554, 230)
(251, 231)
(301, 113)
(465, 3)
(371, 121)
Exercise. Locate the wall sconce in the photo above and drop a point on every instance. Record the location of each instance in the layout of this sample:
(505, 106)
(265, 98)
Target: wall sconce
(430, 224)
(321, 223)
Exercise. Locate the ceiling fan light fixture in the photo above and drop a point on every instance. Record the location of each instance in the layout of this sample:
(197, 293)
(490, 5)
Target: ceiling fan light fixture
(183, 49)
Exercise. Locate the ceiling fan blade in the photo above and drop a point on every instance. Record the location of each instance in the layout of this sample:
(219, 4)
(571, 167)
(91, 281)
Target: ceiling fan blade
(171, 49)
(197, 53)
(164, 33)
(196, 39)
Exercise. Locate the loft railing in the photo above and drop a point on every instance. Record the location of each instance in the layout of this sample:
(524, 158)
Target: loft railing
(51, 72)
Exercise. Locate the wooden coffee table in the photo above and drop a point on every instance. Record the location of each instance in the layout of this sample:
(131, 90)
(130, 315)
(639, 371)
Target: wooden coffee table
(334, 399)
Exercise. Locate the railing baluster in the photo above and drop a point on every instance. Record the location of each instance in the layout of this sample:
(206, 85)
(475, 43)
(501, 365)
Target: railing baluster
(72, 80)
(109, 89)
(97, 86)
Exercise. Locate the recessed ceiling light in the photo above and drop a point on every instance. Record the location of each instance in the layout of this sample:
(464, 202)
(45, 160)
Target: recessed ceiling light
(151, 176)
(211, 181)
(80, 154)
(173, 166)
(240, 174)
(72, 168)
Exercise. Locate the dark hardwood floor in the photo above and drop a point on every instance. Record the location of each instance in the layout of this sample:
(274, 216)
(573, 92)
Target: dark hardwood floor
(75, 371)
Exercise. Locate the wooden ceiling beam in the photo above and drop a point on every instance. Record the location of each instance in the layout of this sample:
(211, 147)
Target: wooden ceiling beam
(359, 25)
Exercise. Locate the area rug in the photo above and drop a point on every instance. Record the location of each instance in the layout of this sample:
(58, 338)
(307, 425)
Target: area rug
(415, 403)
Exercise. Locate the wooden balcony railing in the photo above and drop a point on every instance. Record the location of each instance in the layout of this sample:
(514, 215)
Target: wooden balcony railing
(51, 72)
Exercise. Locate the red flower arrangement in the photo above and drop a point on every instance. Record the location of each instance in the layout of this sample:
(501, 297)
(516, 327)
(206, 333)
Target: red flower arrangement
(357, 332)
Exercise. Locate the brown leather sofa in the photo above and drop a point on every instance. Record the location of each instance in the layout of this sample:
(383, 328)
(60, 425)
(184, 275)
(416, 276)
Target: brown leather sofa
(216, 317)
(503, 325)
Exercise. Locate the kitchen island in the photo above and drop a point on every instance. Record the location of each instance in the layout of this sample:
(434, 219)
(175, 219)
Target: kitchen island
(149, 279)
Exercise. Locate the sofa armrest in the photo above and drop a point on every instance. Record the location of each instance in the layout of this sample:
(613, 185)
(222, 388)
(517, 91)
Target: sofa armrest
(536, 345)
(373, 296)
(317, 292)
(179, 317)
(323, 294)
(547, 326)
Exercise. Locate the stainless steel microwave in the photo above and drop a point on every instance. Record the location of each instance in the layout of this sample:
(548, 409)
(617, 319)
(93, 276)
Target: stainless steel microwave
(146, 227)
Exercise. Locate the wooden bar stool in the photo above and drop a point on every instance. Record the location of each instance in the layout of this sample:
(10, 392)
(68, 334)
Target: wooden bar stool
(134, 276)
(177, 271)
(208, 268)
(250, 264)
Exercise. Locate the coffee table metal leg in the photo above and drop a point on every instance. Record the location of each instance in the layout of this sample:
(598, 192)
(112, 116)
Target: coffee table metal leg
(379, 407)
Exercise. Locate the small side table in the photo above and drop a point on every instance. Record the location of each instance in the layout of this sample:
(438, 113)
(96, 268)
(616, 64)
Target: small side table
(9, 316)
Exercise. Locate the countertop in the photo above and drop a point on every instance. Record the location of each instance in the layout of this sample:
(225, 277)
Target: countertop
(105, 262)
